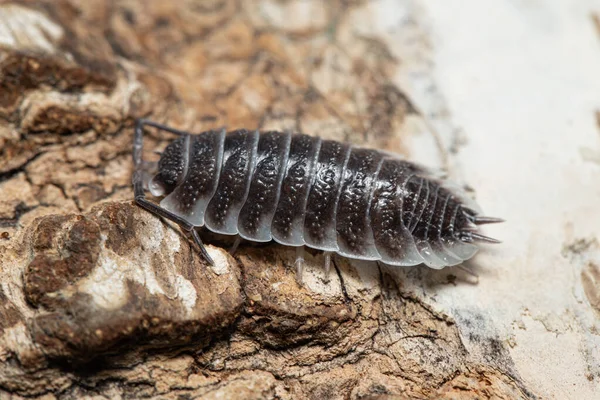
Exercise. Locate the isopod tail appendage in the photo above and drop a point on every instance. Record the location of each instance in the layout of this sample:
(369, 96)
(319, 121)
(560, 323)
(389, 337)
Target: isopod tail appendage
(474, 236)
(469, 230)
(481, 220)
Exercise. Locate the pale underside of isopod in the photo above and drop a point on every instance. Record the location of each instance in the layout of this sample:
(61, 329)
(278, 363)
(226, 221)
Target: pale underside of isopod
(299, 190)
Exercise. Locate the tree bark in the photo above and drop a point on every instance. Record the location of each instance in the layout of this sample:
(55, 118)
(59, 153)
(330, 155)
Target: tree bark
(99, 298)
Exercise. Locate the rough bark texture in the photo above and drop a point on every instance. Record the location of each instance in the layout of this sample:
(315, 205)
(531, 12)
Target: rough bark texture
(100, 298)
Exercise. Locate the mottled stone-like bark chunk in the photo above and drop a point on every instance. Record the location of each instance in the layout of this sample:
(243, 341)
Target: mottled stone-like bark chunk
(98, 297)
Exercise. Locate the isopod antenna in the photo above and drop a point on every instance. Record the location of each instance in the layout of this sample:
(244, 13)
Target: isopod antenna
(138, 185)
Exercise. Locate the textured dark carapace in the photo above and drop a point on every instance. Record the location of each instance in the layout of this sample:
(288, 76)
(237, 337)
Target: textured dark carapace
(299, 190)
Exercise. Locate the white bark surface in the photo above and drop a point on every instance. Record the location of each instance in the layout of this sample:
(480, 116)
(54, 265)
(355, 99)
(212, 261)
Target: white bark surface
(522, 85)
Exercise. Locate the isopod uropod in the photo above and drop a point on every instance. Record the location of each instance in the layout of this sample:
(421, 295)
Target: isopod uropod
(299, 190)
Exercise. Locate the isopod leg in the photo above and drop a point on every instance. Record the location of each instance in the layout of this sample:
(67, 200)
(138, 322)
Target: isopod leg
(140, 123)
(299, 263)
(468, 271)
(138, 188)
(327, 255)
(235, 246)
(201, 246)
(186, 226)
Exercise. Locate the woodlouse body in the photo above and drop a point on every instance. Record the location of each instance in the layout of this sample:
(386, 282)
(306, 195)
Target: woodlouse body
(299, 190)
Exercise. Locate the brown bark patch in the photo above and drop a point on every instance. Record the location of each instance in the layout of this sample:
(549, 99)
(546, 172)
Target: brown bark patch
(186, 304)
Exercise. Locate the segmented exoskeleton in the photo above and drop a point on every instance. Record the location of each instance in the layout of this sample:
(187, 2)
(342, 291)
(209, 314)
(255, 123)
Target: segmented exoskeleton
(299, 190)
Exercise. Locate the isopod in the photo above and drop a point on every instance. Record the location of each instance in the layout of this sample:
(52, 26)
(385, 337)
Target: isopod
(300, 190)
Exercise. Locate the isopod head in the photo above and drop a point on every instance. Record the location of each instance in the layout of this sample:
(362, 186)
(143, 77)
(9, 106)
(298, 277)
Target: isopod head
(171, 167)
